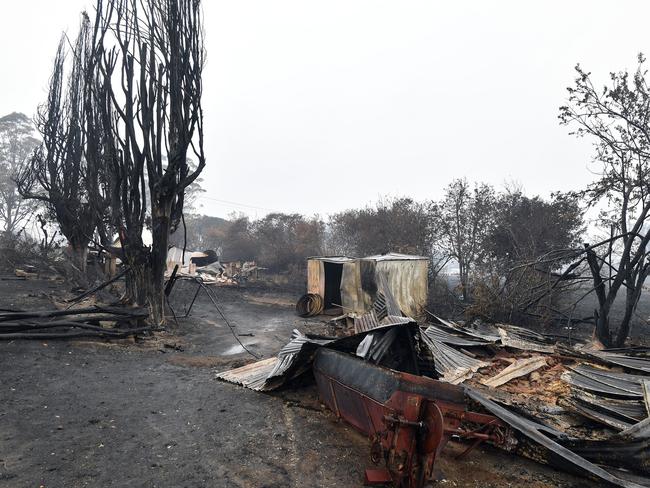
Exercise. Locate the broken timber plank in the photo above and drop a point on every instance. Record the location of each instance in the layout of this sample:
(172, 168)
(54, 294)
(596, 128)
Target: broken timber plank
(520, 367)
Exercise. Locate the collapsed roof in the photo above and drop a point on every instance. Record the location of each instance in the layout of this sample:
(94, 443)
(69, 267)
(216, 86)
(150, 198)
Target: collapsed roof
(581, 411)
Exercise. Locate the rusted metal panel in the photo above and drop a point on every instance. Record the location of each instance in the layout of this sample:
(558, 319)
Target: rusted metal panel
(408, 281)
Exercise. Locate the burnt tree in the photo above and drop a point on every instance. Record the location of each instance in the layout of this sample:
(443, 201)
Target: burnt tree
(151, 89)
(617, 118)
(63, 172)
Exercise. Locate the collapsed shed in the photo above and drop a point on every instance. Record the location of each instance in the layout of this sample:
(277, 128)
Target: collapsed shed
(353, 283)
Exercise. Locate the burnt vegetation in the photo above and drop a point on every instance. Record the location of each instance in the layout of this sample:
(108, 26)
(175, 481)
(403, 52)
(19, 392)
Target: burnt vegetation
(117, 150)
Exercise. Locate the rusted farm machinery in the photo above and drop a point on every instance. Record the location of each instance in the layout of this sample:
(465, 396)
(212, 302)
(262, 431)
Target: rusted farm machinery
(408, 418)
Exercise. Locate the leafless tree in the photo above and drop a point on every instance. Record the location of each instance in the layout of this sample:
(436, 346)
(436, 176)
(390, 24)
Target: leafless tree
(463, 221)
(151, 95)
(617, 117)
(63, 173)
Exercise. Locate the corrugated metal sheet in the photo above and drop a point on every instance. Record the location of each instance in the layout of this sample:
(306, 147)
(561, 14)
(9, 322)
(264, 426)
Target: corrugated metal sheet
(592, 390)
(252, 375)
(386, 294)
(489, 334)
(369, 321)
(408, 282)
(537, 433)
(630, 411)
(268, 374)
(332, 259)
(366, 322)
(602, 383)
(394, 256)
(379, 307)
(452, 365)
(635, 363)
(442, 335)
(513, 338)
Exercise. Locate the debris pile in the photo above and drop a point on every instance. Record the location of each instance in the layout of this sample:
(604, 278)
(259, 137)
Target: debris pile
(106, 322)
(580, 410)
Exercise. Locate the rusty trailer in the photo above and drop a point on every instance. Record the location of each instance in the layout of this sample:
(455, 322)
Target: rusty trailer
(408, 418)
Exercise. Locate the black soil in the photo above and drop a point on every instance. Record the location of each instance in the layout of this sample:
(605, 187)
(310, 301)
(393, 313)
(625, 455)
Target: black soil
(151, 413)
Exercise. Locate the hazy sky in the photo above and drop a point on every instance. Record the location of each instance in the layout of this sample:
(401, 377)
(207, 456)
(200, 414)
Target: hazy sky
(315, 107)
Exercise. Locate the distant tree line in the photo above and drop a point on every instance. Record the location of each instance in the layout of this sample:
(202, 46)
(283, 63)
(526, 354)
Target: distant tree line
(483, 235)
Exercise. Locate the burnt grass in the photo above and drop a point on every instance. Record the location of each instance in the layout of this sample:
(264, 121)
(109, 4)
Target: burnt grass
(150, 413)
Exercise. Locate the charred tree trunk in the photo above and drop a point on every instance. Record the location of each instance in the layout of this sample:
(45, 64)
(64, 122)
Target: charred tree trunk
(156, 118)
(601, 315)
(161, 225)
(79, 253)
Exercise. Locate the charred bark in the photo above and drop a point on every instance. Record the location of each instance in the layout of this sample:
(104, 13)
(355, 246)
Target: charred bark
(64, 173)
(155, 116)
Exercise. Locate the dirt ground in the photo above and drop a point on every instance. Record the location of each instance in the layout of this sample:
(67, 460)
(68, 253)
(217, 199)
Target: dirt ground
(151, 413)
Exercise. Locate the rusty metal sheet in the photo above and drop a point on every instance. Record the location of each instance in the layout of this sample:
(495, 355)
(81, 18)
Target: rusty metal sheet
(408, 282)
(315, 277)
(408, 418)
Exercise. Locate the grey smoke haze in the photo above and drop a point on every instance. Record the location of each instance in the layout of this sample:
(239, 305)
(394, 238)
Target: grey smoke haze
(315, 107)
